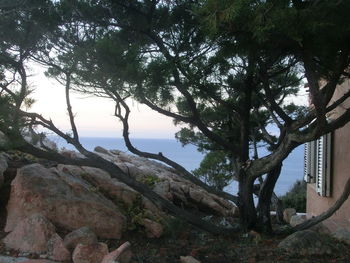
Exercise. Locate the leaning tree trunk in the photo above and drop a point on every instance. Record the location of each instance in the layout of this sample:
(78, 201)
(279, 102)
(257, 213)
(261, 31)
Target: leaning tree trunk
(246, 205)
(265, 195)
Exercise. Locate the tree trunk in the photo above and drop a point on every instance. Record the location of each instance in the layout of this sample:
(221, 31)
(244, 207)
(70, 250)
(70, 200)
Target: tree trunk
(265, 195)
(246, 205)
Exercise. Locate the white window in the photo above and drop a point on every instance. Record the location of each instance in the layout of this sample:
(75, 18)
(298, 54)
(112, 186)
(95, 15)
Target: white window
(317, 164)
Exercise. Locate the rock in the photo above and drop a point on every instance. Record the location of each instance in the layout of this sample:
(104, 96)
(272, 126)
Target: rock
(113, 187)
(3, 167)
(100, 149)
(297, 219)
(37, 261)
(6, 259)
(92, 253)
(31, 235)
(122, 254)
(66, 200)
(153, 229)
(189, 259)
(83, 235)
(57, 250)
(321, 228)
(306, 242)
(342, 235)
(288, 213)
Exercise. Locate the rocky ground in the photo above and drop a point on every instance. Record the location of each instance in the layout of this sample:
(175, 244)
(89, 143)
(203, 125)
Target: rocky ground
(62, 213)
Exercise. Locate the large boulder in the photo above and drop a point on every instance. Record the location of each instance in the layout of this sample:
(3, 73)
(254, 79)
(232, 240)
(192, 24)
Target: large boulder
(163, 180)
(67, 201)
(306, 242)
(31, 235)
(36, 234)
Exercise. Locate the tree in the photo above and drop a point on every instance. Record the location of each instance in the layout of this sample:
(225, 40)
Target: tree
(223, 68)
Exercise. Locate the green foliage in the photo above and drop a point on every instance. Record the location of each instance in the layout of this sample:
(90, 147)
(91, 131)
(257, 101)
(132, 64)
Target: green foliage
(150, 180)
(215, 169)
(296, 197)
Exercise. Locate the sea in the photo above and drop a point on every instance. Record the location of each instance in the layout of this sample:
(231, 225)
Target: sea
(190, 158)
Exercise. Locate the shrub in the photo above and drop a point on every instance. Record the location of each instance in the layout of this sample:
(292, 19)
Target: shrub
(296, 197)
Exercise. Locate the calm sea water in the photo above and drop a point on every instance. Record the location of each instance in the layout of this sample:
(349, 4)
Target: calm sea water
(190, 158)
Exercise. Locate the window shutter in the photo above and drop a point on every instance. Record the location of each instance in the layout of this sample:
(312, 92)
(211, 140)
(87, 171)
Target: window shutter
(323, 165)
(307, 162)
(310, 162)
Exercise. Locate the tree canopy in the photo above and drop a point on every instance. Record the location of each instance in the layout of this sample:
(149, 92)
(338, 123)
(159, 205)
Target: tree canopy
(224, 70)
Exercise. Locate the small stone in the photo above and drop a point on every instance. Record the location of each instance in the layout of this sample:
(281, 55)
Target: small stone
(288, 213)
(83, 235)
(92, 253)
(153, 229)
(189, 259)
(122, 254)
(57, 250)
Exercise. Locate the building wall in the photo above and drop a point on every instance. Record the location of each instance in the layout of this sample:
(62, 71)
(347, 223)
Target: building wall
(340, 170)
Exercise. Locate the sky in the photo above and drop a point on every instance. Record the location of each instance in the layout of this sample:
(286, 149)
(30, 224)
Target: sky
(94, 116)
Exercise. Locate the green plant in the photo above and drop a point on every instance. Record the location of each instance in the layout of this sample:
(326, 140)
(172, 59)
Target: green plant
(296, 196)
(150, 180)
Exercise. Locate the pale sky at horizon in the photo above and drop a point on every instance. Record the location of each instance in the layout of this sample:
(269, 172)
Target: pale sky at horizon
(94, 116)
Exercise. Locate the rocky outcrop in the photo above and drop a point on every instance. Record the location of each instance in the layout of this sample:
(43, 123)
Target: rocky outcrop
(66, 201)
(72, 197)
(306, 242)
(168, 183)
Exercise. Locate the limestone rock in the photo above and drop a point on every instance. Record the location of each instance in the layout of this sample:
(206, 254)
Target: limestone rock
(288, 213)
(297, 219)
(342, 235)
(122, 254)
(92, 253)
(31, 235)
(83, 235)
(66, 200)
(306, 242)
(189, 259)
